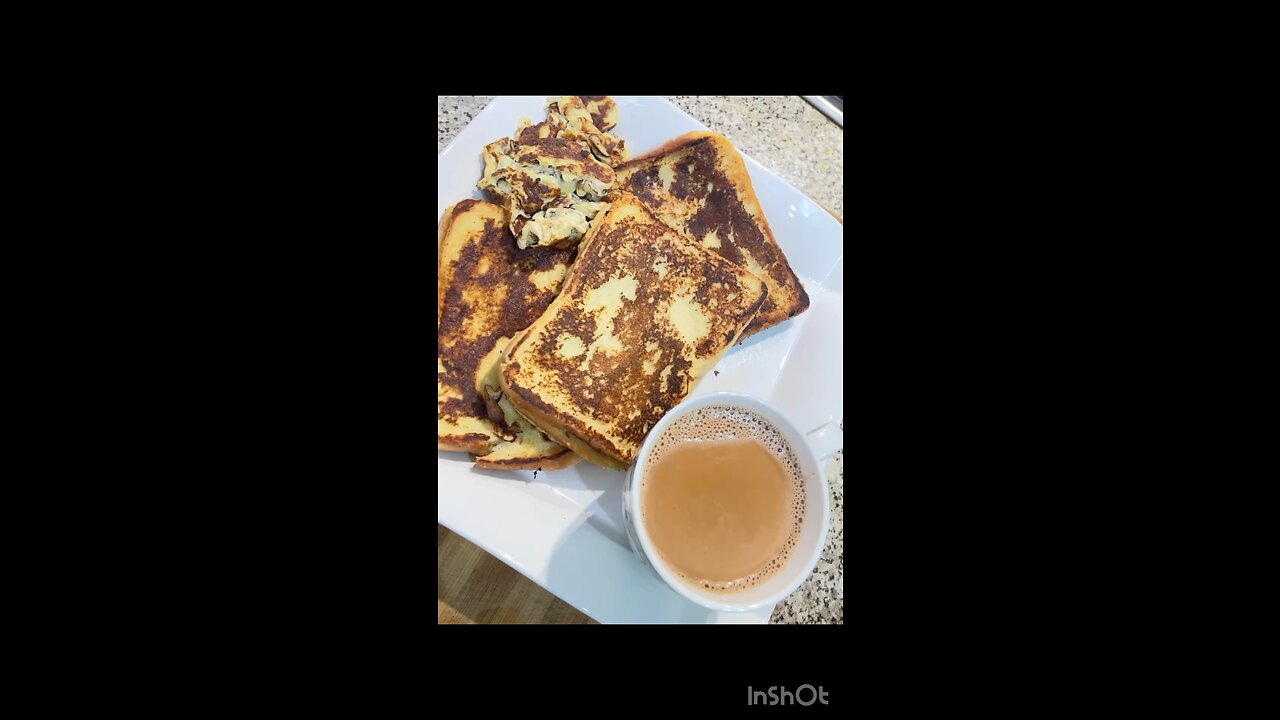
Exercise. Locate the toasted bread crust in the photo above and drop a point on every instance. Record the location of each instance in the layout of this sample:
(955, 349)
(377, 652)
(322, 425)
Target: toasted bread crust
(667, 147)
(444, 271)
(699, 184)
(488, 289)
(548, 424)
(560, 460)
(644, 314)
(474, 443)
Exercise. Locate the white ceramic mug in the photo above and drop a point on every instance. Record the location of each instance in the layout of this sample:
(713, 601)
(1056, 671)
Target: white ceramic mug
(804, 556)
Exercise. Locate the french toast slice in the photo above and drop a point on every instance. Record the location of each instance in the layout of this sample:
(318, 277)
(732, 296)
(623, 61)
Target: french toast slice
(644, 313)
(488, 290)
(699, 184)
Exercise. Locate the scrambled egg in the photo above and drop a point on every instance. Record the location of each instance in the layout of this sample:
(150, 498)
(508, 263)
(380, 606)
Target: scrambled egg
(552, 177)
(572, 116)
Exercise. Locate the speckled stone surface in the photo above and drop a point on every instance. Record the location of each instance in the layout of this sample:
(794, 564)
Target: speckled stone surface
(821, 598)
(798, 143)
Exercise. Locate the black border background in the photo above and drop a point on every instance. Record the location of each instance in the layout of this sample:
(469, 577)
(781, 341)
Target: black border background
(255, 350)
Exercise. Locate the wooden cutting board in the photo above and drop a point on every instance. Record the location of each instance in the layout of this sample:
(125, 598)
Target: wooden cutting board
(473, 586)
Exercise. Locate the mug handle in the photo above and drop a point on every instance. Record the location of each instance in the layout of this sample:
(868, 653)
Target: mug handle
(826, 439)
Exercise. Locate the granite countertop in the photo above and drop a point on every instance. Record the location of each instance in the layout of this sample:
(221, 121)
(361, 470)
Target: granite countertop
(791, 138)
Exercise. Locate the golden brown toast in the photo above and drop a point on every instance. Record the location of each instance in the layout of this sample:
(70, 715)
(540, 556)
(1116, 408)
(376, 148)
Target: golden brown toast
(699, 184)
(644, 314)
(488, 288)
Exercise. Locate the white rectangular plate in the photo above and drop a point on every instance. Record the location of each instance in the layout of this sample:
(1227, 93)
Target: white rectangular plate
(564, 529)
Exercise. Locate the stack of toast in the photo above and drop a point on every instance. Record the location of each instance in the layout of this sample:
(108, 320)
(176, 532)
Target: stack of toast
(488, 291)
(548, 353)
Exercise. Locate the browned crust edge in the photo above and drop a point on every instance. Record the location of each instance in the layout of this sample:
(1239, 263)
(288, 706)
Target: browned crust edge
(553, 462)
(446, 222)
(669, 146)
(474, 443)
(559, 432)
(763, 322)
(442, 281)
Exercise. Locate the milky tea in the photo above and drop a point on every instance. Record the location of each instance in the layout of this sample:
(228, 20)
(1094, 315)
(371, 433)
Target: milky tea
(722, 498)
